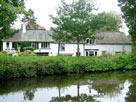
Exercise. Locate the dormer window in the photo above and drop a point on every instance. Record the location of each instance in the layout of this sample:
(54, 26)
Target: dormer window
(90, 41)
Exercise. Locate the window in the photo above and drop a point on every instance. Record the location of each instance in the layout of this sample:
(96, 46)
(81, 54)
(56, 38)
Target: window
(118, 52)
(87, 53)
(34, 45)
(95, 53)
(87, 41)
(45, 45)
(91, 53)
(62, 47)
(7, 44)
(90, 41)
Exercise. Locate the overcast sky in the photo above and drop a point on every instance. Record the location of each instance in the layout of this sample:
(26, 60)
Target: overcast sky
(43, 8)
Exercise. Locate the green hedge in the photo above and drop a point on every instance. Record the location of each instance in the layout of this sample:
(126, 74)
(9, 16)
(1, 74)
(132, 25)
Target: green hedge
(28, 48)
(29, 66)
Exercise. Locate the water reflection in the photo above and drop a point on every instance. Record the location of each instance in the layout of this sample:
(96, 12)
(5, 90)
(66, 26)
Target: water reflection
(29, 95)
(98, 87)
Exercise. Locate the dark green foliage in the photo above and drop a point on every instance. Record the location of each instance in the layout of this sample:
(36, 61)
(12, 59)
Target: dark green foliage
(15, 45)
(0, 45)
(128, 8)
(9, 11)
(24, 44)
(29, 66)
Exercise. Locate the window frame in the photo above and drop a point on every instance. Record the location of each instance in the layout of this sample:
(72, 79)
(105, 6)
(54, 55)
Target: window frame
(90, 41)
(45, 45)
(88, 53)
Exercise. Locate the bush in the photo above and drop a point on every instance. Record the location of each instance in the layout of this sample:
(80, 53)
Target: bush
(29, 66)
(3, 53)
(29, 48)
(27, 54)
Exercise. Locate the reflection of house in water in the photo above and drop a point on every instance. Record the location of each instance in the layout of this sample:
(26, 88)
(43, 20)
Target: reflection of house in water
(104, 86)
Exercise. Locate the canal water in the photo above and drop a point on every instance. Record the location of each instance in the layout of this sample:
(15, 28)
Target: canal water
(118, 86)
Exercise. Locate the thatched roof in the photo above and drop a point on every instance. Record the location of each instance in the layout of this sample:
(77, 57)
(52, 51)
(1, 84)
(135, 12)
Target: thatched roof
(43, 36)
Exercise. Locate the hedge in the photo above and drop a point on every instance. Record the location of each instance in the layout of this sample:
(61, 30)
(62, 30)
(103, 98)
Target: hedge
(30, 66)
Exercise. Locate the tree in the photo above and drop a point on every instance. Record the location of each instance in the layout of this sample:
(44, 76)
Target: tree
(58, 36)
(107, 21)
(9, 11)
(128, 8)
(73, 20)
(31, 20)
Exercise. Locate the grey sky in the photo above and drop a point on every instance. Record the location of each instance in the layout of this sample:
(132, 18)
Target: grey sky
(42, 9)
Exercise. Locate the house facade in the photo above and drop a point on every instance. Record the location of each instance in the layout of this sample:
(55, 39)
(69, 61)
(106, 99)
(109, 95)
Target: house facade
(110, 42)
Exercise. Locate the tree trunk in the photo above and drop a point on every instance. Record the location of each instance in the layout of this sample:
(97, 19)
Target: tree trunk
(78, 49)
(59, 48)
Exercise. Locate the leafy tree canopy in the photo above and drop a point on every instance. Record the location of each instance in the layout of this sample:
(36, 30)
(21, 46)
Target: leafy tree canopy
(128, 8)
(9, 11)
(74, 21)
(30, 20)
(107, 21)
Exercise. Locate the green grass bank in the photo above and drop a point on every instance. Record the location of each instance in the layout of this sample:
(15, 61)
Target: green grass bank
(30, 66)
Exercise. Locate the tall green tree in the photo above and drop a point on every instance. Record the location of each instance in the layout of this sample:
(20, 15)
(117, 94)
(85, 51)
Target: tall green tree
(107, 21)
(74, 20)
(59, 36)
(9, 11)
(31, 20)
(128, 8)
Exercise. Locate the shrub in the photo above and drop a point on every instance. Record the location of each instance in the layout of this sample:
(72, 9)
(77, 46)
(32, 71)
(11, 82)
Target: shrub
(29, 48)
(3, 53)
(27, 54)
(29, 66)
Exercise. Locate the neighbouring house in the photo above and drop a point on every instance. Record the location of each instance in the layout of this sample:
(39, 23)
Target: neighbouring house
(111, 43)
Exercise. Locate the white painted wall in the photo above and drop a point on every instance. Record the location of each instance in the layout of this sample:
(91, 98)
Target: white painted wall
(4, 46)
(72, 49)
(39, 45)
(10, 45)
(69, 49)
(109, 48)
